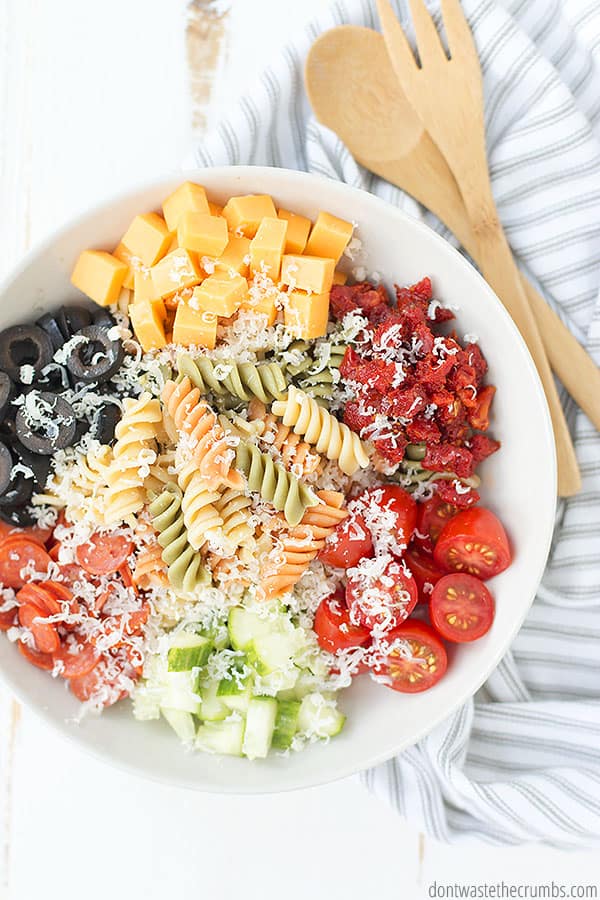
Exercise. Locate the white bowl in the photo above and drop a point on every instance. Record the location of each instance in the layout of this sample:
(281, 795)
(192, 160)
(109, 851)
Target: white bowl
(519, 484)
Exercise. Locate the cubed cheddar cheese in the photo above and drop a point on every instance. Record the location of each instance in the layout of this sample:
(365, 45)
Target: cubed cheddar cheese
(308, 273)
(194, 327)
(202, 233)
(144, 292)
(339, 277)
(267, 246)
(100, 275)
(262, 304)
(174, 245)
(188, 197)
(131, 261)
(147, 238)
(297, 231)
(306, 315)
(148, 325)
(329, 236)
(244, 214)
(215, 209)
(220, 293)
(235, 257)
(178, 270)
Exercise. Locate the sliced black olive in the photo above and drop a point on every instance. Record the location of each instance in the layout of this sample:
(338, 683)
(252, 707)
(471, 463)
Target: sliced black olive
(24, 345)
(6, 464)
(19, 491)
(104, 423)
(48, 323)
(6, 388)
(39, 465)
(104, 318)
(8, 430)
(19, 516)
(56, 430)
(54, 378)
(63, 324)
(77, 317)
(98, 358)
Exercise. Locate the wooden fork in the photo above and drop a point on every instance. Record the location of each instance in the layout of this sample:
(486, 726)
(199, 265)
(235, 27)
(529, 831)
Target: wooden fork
(447, 95)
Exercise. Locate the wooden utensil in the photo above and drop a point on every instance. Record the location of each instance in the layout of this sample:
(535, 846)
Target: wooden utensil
(355, 93)
(447, 95)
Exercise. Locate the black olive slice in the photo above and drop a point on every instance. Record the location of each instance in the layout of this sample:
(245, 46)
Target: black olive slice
(48, 323)
(104, 422)
(39, 465)
(77, 317)
(24, 345)
(98, 358)
(6, 387)
(19, 516)
(104, 318)
(61, 319)
(56, 428)
(18, 492)
(53, 378)
(6, 464)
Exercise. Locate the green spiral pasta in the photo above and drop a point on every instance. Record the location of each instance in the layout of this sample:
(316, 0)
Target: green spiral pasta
(317, 372)
(226, 377)
(184, 564)
(411, 474)
(273, 482)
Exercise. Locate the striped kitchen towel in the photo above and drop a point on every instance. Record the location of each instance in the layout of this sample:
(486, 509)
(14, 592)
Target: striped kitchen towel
(521, 761)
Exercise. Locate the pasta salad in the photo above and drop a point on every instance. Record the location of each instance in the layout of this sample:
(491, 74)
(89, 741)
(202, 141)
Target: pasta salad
(241, 477)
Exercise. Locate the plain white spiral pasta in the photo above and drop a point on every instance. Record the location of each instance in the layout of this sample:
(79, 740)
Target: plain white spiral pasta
(200, 516)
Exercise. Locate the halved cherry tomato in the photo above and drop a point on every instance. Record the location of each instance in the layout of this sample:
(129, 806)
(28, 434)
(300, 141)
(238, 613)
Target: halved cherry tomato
(461, 608)
(349, 543)
(103, 554)
(333, 627)
(8, 618)
(418, 664)
(393, 498)
(34, 533)
(424, 571)
(45, 634)
(16, 553)
(432, 516)
(382, 601)
(74, 665)
(41, 660)
(474, 541)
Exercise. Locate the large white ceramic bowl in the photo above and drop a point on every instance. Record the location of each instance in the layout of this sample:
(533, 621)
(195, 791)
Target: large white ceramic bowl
(518, 484)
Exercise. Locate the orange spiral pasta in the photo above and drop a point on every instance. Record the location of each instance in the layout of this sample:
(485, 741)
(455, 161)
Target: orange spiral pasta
(295, 454)
(150, 570)
(209, 445)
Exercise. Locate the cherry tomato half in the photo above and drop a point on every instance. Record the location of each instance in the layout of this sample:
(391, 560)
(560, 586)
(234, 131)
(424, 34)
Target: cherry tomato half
(415, 665)
(432, 516)
(392, 498)
(333, 627)
(461, 608)
(349, 543)
(424, 571)
(104, 554)
(382, 601)
(474, 541)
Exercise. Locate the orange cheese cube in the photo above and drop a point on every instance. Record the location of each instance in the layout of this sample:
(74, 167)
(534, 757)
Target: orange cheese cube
(194, 327)
(148, 325)
(99, 275)
(131, 261)
(202, 233)
(188, 197)
(308, 273)
(264, 305)
(244, 214)
(340, 277)
(215, 209)
(329, 236)
(220, 293)
(235, 257)
(144, 292)
(147, 238)
(174, 245)
(297, 231)
(306, 315)
(266, 247)
(178, 270)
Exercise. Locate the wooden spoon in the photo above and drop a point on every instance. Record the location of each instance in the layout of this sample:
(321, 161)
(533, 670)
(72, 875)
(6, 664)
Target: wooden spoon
(354, 91)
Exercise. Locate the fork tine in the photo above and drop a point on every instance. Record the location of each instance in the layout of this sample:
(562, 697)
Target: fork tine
(400, 51)
(458, 32)
(428, 40)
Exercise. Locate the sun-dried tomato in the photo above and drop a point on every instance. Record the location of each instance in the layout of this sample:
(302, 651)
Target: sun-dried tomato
(481, 446)
(479, 417)
(376, 374)
(355, 419)
(372, 301)
(404, 402)
(447, 491)
(392, 448)
(476, 359)
(448, 458)
(423, 430)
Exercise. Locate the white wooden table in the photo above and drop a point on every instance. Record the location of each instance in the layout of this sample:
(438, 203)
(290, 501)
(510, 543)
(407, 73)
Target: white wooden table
(96, 97)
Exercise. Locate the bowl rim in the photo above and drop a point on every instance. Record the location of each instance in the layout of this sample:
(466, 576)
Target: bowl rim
(404, 220)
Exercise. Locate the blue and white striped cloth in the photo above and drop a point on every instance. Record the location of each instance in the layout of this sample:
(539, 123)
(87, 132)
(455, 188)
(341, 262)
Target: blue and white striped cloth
(521, 761)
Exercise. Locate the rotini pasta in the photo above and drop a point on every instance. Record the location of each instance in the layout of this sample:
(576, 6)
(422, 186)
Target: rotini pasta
(321, 429)
(295, 454)
(185, 567)
(200, 515)
(317, 371)
(243, 380)
(414, 477)
(273, 483)
(234, 508)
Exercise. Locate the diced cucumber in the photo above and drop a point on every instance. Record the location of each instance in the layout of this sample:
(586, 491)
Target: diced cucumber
(270, 652)
(146, 702)
(260, 724)
(221, 737)
(286, 723)
(181, 692)
(212, 708)
(188, 651)
(237, 702)
(244, 626)
(279, 681)
(319, 717)
(229, 687)
(182, 724)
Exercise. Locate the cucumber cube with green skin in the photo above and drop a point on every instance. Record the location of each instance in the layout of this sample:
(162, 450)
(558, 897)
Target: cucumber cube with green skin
(181, 692)
(221, 737)
(188, 651)
(212, 708)
(318, 717)
(260, 725)
(244, 626)
(182, 724)
(230, 687)
(270, 652)
(237, 702)
(286, 723)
